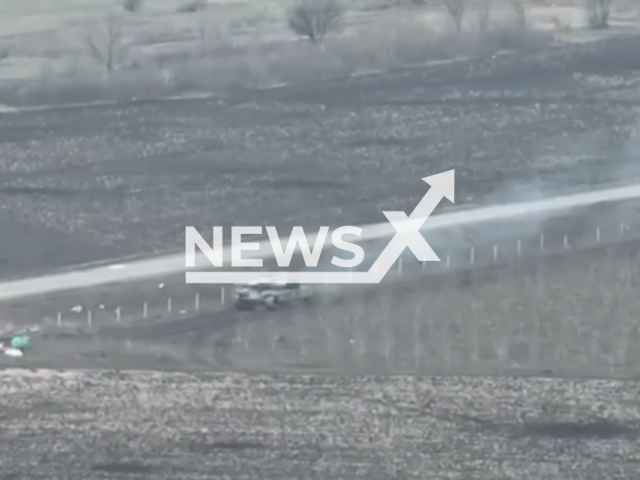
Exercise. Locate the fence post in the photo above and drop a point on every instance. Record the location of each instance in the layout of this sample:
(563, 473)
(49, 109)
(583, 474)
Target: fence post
(400, 266)
(222, 295)
(622, 228)
(495, 253)
(472, 256)
(89, 317)
(118, 314)
(519, 248)
(448, 261)
(59, 319)
(197, 302)
(541, 241)
(424, 266)
(169, 305)
(598, 234)
(145, 310)
(566, 241)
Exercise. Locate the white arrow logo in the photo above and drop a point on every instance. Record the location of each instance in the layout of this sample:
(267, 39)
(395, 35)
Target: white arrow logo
(407, 236)
(408, 228)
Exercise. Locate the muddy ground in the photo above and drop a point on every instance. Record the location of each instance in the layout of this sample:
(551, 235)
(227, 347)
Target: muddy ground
(83, 184)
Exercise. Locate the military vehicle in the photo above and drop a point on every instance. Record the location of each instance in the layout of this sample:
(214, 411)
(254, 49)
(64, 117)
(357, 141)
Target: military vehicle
(269, 294)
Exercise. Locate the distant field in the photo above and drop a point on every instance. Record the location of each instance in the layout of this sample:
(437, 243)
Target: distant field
(45, 40)
(39, 31)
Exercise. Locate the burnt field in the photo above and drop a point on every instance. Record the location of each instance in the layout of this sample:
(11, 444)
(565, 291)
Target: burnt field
(80, 425)
(83, 184)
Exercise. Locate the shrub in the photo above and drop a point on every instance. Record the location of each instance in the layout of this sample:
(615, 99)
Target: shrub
(598, 11)
(520, 9)
(314, 19)
(132, 5)
(192, 6)
(484, 14)
(456, 12)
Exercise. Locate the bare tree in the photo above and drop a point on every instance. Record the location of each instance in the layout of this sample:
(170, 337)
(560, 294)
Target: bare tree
(456, 12)
(520, 10)
(314, 19)
(598, 13)
(484, 13)
(211, 32)
(106, 47)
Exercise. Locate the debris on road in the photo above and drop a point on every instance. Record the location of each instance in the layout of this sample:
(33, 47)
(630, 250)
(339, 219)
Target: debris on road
(20, 341)
(13, 352)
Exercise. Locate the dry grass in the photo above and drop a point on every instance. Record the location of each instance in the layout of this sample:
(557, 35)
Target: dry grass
(569, 316)
(213, 61)
(37, 34)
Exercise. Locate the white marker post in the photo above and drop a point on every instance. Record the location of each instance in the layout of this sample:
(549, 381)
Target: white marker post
(145, 310)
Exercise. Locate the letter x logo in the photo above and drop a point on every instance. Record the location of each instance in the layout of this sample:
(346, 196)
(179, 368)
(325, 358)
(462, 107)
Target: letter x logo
(408, 234)
(408, 227)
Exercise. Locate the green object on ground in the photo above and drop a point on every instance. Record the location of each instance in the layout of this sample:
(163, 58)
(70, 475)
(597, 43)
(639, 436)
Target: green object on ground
(20, 341)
